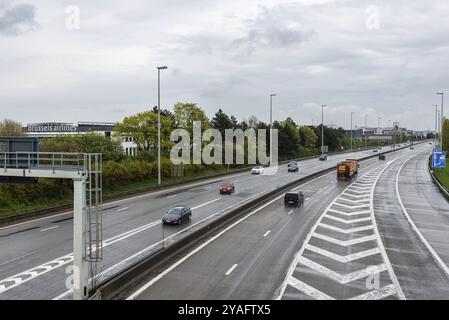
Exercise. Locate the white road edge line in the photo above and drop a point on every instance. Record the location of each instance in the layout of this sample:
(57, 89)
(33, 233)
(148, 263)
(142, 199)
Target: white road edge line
(50, 228)
(435, 255)
(185, 258)
(231, 269)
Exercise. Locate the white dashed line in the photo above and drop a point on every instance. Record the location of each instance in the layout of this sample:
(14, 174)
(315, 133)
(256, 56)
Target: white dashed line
(267, 233)
(231, 269)
(47, 229)
(121, 210)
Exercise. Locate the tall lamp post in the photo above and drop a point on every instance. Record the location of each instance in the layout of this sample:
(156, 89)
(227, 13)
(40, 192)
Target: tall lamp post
(352, 113)
(378, 128)
(366, 129)
(436, 123)
(442, 119)
(159, 123)
(271, 125)
(322, 128)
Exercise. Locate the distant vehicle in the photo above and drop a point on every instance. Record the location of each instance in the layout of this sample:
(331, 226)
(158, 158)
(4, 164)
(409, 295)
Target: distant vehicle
(430, 142)
(227, 187)
(294, 198)
(375, 150)
(257, 170)
(177, 215)
(380, 148)
(293, 167)
(346, 170)
(412, 148)
(323, 157)
(381, 157)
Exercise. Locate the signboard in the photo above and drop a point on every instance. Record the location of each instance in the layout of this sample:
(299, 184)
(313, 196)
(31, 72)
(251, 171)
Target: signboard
(379, 137)
(439, 160)
(10, 145)
(324, 149)
(51, 127)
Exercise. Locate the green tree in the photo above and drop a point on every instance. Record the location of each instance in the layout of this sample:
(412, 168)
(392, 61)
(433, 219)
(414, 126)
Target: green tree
(84, 143)
(143, 128)
(445, 134)
(308, 137)
(11, 128)
(187, 113)
(221, 121)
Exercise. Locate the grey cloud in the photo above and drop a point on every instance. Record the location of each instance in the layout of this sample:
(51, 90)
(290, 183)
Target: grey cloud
(273, 29)
(17, 19)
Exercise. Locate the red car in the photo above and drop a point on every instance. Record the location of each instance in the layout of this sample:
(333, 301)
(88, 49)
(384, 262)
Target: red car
(227, 187)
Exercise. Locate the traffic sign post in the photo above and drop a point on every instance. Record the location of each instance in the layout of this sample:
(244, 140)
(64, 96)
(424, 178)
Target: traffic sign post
(439, 160)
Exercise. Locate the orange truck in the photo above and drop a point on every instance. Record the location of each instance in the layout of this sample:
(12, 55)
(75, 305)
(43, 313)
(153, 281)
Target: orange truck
(348, 169)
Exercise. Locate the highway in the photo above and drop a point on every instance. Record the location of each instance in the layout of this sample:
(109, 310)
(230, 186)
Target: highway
(350, 241)
(35, 256)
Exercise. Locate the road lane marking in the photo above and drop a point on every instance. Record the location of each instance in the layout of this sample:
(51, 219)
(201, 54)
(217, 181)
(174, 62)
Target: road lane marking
(231, 270)
(121, 210)
(205, 204)
(310, 291)
(290, 212)
(139, 291)
(300, 259)
(50, 228)
(35, 272)
(429, 247)
(267, 233)
(385, 292)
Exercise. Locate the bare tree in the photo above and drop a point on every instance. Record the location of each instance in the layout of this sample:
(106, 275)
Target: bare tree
(11, 128)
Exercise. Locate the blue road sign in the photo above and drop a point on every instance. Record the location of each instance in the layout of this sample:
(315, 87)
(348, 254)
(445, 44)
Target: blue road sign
(439, 160)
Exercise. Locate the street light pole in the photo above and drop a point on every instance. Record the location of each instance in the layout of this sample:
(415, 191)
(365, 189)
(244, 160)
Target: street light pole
(351, 130)
(322, 128)
(271, 125)
(436, 123)
(442, 119)
(159, 180)
(366, 129)
(378, 128)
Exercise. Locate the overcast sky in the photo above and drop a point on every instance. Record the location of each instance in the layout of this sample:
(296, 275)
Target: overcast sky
(228, 54)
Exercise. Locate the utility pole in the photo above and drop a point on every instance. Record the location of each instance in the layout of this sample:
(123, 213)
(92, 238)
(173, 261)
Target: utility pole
(159, 180)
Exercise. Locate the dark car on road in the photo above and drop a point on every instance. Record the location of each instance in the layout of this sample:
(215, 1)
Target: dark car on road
(294, 199)
(177, 215)
(227, 187)
(293, 167)
(381, 157)
(323, 157)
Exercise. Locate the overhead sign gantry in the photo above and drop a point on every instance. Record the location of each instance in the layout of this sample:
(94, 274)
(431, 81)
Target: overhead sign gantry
(85, 170)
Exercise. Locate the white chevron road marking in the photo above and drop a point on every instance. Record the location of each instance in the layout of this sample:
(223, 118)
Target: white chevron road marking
(356, 196)
(377, 294)
(350, 214)
(343, 259)
(310, 291)
(351, 207)
(355, 201)
(346, 243)
(343, 278)
(346, 231)
(347, 221)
